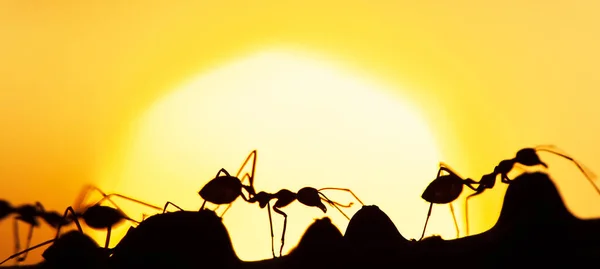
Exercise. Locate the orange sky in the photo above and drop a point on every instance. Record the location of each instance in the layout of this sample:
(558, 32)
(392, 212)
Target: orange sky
(488, 78)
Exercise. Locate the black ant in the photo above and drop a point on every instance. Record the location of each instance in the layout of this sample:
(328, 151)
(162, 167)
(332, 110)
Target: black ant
(444, 189)
(526, 157)
(308, 196)
(447, 189)
(98, 216)
(30, 215)
(224, 189)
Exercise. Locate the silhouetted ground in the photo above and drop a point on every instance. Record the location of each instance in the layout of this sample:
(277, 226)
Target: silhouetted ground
(534, 229)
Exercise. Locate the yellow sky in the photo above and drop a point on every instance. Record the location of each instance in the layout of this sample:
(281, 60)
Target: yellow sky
(489, 78)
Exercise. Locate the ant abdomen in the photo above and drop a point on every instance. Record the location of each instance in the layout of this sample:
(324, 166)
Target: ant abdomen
(102, 217)
(222, 190)
(5, 209)
(444, 189)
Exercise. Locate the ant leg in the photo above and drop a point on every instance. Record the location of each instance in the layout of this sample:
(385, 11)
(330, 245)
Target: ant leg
(469, 183)
(446, 168)
(426, 220)
(271, 226)
(27, 250)
(284, 227)
(169, 203)
(467, 207)
(251, 176)
(65, 215)
(16, 237)
(454, 219)
(107, 237)
(107, 197)
(334, 205)
(222, 171)
(84, 194)
(29, 236)
(346, 190)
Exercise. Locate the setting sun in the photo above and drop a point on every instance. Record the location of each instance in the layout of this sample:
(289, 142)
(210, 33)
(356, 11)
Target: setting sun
(151, 99)
(312, 123)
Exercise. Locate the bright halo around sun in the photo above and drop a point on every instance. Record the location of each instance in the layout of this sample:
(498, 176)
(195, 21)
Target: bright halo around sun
(312, 123)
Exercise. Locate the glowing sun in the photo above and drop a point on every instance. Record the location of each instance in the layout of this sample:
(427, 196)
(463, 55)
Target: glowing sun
(313, 125)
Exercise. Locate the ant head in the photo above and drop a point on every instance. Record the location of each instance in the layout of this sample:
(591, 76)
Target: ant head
(528, 157)
(310, 197)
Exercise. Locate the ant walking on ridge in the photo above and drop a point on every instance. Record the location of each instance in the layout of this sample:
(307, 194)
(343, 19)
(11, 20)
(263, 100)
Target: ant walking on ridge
(444, 189)
(526, 157)
(308, 196)
(98, 216)
(30, 215)
(224, 189)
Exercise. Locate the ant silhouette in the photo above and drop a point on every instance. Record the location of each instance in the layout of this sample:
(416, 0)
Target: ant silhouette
(98, 216)
(308, 196)
(225, 189)
(524, 157)
(445, 189)
(29, 214)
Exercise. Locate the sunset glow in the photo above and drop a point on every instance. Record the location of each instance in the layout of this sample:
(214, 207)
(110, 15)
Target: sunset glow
(312, 124)
(151, 98)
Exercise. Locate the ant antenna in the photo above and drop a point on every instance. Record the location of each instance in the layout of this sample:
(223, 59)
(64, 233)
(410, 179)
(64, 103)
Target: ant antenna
(586, 171)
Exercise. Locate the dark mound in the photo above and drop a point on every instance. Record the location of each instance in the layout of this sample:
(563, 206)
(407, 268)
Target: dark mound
(320, 246)
(373, 239)
(319, 237)
(75, 250)
(177, 240)
(534, 228)
(370, 227)
(535, 224)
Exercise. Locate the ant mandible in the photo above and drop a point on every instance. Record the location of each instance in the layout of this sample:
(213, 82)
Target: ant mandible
(28, 214)
(444, 189)
(98, 216)
(308, 196)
